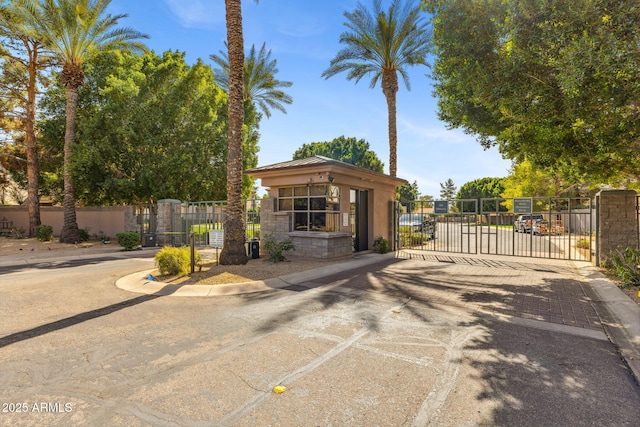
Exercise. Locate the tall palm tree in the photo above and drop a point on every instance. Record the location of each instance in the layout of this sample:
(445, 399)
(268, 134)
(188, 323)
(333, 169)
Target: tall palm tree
(233, 251)
(25, 51)
(260, 85)
(382, 44)
(72, 31)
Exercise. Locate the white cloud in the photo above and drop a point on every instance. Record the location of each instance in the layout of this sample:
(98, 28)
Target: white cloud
(203, 14)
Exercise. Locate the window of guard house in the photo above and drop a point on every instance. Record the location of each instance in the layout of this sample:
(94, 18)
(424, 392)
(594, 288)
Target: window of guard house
(315, 207)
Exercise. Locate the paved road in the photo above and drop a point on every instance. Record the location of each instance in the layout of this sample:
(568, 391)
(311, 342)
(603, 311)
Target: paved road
(419, 340)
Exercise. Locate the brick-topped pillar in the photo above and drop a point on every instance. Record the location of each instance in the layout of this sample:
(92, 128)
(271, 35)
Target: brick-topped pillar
(617, 225)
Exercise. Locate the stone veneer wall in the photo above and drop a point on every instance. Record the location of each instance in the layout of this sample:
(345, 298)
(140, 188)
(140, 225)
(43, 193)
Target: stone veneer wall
(617, 222)
(319, 245)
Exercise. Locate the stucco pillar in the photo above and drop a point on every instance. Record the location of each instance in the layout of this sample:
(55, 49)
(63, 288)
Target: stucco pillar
(617, 222)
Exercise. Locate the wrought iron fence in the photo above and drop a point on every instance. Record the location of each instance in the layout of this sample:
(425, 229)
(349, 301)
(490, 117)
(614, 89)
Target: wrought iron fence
(559, 228)
(200, 218)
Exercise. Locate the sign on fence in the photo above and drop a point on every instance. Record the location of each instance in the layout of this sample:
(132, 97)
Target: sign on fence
(216, 238)
(440, 207)
(522, 206)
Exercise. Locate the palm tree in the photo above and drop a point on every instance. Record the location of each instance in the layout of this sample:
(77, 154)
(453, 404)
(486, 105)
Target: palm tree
(382, 44)
(260, 85)
(26, 52)
(72, 31)
(233, 251)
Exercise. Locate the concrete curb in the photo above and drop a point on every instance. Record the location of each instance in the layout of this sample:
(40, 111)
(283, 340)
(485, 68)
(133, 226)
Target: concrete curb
(620, 316)
(139, 282)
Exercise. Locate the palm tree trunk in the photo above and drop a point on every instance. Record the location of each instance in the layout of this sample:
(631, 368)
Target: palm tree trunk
(70, 232)
(33, 202)
(233, 250)
(390, 89)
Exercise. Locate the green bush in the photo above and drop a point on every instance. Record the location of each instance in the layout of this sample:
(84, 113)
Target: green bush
(583, 244)
(624, 264)
(381, 245)
(128, 240)
(84, 234)
(44, 233)
(275, 249)
(412, 238)
(176, 261)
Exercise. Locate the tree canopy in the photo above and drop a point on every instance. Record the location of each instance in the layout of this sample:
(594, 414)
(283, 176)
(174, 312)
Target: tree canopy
(349, 150)
(483, 188)
(555, 83)
(150, 127)
(448, 189)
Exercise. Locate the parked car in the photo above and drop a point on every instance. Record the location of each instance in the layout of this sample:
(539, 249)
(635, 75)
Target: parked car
(419, 223)
(524, 223)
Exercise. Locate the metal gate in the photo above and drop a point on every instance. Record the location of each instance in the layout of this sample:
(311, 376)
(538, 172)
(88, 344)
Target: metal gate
(198, 218)
(559, 228)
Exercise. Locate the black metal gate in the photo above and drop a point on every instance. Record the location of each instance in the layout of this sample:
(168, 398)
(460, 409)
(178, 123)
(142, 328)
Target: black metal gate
(559, 228)
(199, 218)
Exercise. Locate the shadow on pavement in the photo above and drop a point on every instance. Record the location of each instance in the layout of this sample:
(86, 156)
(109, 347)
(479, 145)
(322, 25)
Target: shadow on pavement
(80, 318)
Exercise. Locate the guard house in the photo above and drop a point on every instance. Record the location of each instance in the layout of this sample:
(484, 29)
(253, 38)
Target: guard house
(327, 208)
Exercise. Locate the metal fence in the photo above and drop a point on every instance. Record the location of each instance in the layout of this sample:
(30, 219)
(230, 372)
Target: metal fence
(560, 228)
(200, 218)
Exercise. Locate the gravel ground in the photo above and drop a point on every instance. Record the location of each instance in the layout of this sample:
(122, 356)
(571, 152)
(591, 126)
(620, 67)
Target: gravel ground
(9, 246)
(255, 269)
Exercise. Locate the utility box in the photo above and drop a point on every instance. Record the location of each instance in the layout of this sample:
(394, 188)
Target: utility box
(149, 240)
(254, 248)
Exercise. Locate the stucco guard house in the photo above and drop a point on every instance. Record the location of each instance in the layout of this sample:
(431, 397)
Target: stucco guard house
(327, 208)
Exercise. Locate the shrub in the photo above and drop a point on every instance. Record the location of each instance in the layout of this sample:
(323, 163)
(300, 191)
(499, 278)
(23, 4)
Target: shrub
(583, 244)
(624, 264)
(128, 240)
(412, 238)
(176, 261)
(275, 249)
(84, 234)
(381, 245)
(44, 233)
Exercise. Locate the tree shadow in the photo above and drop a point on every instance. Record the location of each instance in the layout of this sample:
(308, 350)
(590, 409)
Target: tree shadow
(524, 373)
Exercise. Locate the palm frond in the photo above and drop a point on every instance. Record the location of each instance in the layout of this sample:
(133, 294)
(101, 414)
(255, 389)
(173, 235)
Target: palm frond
(260, 84)
(377, 40)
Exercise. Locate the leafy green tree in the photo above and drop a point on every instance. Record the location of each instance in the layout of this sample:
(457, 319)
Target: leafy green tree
(525, 180)
(72, 31)
(150, 127)
(555, 83)
(484, 188)
(349, 150)
(23, 61)
(447, 190)
(407, 194)
(382, 44)
(260, 85)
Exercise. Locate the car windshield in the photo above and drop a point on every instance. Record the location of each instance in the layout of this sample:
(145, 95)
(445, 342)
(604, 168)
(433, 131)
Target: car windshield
(410, 218)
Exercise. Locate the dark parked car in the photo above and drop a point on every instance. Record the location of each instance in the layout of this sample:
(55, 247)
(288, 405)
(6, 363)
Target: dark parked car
(524, 223)
(419, 223)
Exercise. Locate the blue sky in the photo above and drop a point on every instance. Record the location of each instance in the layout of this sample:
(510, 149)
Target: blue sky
(303, 37)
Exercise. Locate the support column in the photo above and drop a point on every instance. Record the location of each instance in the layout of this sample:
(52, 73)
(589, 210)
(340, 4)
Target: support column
(617, 222)
(167, 208)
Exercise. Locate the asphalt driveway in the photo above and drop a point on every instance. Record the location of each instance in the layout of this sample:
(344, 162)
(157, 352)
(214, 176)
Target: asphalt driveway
(390, 341)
